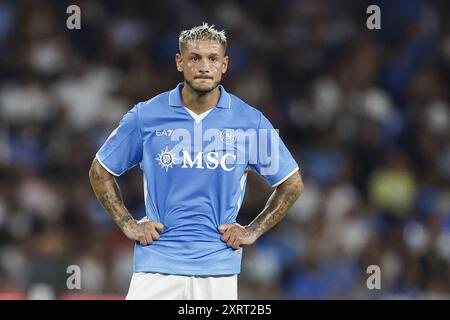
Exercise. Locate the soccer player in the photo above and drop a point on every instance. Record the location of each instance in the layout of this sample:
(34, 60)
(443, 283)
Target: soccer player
(194, 145)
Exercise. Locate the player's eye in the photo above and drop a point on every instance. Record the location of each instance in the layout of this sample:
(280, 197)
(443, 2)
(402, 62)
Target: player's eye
(213, 59)
(195, 59)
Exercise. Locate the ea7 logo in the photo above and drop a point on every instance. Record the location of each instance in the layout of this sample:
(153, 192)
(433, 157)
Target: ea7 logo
(163, 133)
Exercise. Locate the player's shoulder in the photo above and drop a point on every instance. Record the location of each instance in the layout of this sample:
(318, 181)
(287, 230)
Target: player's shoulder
(159, 101)
(245, 114)
(243, 108)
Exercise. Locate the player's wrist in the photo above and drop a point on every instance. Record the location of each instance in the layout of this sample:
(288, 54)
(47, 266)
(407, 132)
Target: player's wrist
(253, 230)
(127, 223)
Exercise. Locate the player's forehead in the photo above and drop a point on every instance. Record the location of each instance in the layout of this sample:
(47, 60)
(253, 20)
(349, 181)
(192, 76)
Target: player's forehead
(204, 47)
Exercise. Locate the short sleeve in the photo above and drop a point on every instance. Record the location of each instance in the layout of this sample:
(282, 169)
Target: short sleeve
(122, 150)
(271, 158)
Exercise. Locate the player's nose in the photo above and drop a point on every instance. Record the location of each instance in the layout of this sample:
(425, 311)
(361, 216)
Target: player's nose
(204, 66)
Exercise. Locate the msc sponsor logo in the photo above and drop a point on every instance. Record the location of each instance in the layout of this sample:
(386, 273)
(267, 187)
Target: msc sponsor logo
(202, 160)
(209, 160)
(166, 158)
(197, 148)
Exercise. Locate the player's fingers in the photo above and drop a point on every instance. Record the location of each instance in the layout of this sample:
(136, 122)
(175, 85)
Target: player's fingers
(224, 227)
(231, 240)
(225, 236)
(152, 233)
(148, 236)
(236, 244)
(142, 240)
(159, 227)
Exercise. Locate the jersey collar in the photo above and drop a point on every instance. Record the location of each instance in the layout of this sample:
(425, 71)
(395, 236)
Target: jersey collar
(176, 101)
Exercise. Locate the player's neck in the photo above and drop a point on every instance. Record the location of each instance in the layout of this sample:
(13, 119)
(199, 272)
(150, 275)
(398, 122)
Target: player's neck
(199, 103)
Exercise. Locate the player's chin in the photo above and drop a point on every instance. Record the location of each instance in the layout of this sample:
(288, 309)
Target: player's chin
(204, 87)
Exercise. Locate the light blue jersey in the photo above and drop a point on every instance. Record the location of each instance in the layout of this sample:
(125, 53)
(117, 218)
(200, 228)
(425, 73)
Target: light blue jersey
(195, 170)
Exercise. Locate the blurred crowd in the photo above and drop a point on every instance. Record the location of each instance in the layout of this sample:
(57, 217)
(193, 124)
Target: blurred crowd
(365, 112)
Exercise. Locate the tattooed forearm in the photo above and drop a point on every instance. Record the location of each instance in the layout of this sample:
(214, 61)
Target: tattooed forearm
(108, 193)
(278, 204)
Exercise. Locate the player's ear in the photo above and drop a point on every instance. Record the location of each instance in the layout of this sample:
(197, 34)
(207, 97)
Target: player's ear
(179, 62)
(224, 64)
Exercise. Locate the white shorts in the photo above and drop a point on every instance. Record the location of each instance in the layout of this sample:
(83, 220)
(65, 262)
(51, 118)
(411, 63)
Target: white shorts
(157, 286)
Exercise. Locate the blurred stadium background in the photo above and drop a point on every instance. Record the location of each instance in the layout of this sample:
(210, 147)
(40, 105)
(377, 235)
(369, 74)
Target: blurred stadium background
(366, 114)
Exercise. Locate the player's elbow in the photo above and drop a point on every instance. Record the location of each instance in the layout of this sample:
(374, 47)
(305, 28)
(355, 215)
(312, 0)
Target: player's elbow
(92, 169)
(96, 171)
(294, 184)
(297, 184)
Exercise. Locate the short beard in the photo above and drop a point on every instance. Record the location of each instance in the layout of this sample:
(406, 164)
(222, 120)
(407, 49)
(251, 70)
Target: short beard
(202, 92)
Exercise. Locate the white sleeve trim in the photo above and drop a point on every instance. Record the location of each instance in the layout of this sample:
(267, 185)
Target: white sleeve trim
(105, 167)
(285, 178)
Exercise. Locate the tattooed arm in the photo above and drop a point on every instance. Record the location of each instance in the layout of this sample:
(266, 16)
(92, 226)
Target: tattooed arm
(276, 208)
(108, 194)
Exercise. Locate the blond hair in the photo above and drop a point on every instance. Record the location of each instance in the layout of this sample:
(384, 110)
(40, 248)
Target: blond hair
(203, 32)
